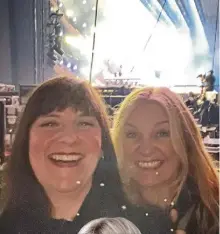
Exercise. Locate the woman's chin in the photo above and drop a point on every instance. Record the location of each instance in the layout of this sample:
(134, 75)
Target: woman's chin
(148, 181)
(66, 187)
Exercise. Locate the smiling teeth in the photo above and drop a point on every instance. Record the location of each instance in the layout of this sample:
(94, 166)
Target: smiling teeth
(149, 165)
(66, 158)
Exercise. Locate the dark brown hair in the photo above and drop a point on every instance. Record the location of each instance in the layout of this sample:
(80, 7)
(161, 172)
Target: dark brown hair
(23, 190)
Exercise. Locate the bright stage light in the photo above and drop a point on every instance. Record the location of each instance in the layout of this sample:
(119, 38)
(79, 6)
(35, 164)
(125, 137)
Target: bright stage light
(69, 13)
(122, 35)
(118, 36)
(84, 45)
(84, 25)
(73, 41)
(169, 50)
(85, 71)
(93, 29)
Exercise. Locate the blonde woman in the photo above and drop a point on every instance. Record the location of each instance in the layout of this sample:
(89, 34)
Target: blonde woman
(163, 162)
(110, 226)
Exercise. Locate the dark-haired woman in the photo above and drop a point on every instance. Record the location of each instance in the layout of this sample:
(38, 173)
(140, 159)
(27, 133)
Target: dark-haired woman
(57, 178)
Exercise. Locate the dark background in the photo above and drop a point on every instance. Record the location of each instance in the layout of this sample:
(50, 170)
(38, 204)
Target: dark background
(17, 42)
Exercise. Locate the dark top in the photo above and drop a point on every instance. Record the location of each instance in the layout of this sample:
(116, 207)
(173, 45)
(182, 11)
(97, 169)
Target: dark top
(105, 199)
(188, 205)
(209, 82)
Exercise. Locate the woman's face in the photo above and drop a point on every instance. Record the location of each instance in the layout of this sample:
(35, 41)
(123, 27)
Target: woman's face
(64, 149)
(147, 148)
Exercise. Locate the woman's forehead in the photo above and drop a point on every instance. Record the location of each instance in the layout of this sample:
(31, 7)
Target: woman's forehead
(82, 107)
(147, 108)
(71, 110)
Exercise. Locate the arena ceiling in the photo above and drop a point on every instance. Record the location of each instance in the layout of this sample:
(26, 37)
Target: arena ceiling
(184, 40)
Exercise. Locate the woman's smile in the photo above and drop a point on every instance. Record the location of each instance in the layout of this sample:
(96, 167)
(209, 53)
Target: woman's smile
(66, 159)
(149, 165)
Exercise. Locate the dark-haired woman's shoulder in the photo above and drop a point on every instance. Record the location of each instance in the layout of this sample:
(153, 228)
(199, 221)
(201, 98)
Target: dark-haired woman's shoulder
(9, 222)
(14, 223)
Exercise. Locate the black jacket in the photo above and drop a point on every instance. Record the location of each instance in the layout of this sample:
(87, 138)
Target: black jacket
(105, 199)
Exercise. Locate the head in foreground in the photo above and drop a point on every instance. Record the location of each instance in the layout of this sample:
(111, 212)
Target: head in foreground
(110, 226)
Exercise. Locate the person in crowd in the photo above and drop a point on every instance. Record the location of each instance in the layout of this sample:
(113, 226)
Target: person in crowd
(202, 112)
(110, 226)
(191, 102)
(202, 84)
(62, 172)
(209, 81)
(163, 162)
(214, 112)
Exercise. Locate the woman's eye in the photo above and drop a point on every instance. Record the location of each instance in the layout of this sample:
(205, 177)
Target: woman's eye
(86, 124)
(163, 133)
(49, 124)
(131, 134)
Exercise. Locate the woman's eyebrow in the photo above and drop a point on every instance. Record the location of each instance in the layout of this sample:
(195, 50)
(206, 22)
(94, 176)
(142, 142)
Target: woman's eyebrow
(51, 115)
(130, 125)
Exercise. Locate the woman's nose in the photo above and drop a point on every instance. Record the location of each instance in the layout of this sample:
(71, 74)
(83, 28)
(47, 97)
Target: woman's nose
(145, 146)
(69, 135)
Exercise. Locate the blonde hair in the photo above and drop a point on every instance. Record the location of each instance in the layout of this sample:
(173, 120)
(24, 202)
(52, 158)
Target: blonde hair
(195, 160)
(110, 226)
